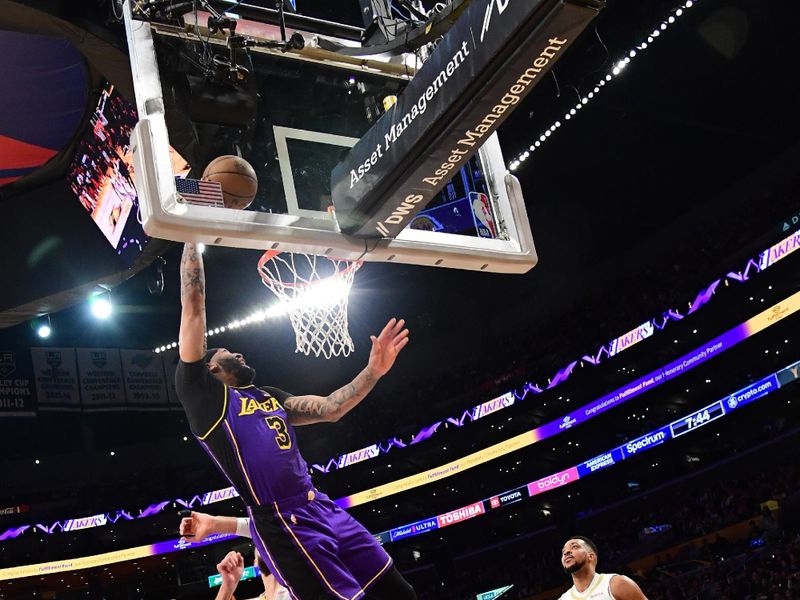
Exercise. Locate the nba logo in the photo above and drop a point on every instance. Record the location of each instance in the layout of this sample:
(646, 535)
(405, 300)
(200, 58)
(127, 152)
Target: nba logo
(482, 210)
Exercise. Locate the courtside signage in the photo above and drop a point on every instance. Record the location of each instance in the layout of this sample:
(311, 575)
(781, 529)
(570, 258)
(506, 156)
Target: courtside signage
(462, 514)
(509, 497)
(492, 58)
(551, 482)
(398, 533)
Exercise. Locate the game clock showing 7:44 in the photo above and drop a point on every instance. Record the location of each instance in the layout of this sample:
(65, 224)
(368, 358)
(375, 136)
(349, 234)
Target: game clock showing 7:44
(697, 419)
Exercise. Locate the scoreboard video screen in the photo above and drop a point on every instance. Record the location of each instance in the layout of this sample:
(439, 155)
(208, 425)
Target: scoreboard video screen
(102, 175)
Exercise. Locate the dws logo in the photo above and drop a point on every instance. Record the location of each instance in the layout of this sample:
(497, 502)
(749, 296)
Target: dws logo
(487, 18)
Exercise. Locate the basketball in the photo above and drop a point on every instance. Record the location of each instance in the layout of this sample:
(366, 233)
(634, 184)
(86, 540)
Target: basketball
(238, 179)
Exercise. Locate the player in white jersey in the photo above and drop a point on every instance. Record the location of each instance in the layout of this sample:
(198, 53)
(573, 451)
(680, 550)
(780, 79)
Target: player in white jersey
(198, 526)
(579, 559)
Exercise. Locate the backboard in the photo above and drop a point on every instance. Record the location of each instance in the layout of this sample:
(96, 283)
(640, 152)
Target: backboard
(313, 105)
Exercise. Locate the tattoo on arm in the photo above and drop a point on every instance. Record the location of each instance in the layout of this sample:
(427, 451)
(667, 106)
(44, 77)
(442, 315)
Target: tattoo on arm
(313, 409)
(193, 289)
(193, 281)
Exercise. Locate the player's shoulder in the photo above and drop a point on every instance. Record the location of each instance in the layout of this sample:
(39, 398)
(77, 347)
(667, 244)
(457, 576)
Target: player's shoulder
(277, 393)
(622, 586)
(566, 595)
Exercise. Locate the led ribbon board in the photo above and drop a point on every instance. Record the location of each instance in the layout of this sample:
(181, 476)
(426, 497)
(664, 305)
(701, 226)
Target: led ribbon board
(683, 364)
(697, 419)
(107, 558)
(676, 368)
(496, 53)
(690, 422)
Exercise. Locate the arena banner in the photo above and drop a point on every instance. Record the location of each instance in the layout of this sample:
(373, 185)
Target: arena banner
(17, 389)
(145, 385)
(56, 376)
(491, 59)
(101, 379)
(170, 361)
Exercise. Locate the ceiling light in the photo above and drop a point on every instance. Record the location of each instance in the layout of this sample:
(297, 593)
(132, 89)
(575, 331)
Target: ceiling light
(101, 306)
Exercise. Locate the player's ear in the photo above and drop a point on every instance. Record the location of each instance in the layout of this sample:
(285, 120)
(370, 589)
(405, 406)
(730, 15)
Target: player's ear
(213, 367)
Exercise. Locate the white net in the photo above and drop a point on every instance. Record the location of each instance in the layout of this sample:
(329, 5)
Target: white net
(314, 292)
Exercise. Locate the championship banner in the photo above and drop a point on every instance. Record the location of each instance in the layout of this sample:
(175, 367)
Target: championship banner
(491, 59)
(56, 377)
(17, 392)
(170, 361)
(101, 379)
(145, 386)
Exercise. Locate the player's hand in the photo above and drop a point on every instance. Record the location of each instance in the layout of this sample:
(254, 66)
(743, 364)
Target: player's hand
(387, 346)
(195, 526)
(231, 568)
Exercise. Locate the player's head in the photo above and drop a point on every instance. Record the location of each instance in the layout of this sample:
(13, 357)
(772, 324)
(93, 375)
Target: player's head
(579, 553)
(229, 367)
(266, 574)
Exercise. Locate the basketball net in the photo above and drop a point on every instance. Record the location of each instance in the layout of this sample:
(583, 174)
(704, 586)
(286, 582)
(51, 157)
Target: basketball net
(314, 291)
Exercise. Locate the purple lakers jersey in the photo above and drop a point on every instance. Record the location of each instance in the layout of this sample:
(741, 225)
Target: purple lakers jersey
(255, 447)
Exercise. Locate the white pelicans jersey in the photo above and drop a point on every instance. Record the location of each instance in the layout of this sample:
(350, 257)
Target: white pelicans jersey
(599, 589)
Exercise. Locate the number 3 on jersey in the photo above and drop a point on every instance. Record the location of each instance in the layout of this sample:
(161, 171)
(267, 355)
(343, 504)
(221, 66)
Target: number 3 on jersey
(282, 437)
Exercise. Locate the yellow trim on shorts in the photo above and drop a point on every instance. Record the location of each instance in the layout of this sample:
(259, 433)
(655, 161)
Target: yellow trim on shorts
(222, 416)
(378, 574)
(311, 560)
(241, 463)
(272, 560)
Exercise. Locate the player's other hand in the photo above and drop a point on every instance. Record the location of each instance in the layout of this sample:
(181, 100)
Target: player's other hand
(387, 346)
(231, 568)
(195, 526)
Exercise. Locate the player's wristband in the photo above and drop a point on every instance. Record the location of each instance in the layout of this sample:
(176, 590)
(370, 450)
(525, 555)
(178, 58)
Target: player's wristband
(243, 527)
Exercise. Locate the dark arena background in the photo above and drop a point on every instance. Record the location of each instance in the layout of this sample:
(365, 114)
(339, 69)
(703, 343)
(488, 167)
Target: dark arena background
(638, 386)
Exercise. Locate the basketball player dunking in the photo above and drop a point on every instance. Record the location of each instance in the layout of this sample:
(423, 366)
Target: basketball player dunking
(579, 559)
(314, 548)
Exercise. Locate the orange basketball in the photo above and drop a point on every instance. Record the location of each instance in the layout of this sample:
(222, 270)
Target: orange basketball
(238, 179)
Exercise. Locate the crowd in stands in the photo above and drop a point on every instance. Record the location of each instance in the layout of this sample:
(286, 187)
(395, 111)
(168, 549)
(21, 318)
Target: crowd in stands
(763, 564)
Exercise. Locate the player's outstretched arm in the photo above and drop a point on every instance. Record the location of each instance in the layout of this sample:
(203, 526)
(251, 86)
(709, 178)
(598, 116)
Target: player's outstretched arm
(197, 526)
(305, 410)
(625, 588)
(192, 338)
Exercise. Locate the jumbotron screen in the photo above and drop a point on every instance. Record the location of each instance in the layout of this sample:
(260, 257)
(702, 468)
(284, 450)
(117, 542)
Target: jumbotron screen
(102, 175)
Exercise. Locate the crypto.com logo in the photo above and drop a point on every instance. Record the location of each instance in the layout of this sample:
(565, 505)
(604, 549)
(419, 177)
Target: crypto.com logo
(487, 18)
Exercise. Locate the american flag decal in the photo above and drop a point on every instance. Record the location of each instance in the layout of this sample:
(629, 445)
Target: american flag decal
(199, 192)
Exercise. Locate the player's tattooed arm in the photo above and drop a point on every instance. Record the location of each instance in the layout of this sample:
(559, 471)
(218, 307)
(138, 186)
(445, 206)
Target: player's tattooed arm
(305, 410)
(192, 338)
